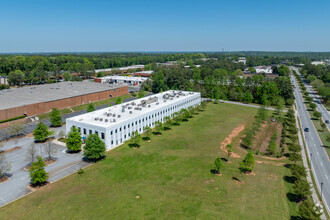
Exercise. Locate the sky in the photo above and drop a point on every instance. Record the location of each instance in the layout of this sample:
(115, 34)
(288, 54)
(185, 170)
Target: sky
(168, 25)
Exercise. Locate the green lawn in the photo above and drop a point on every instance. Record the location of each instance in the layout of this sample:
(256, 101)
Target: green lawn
(171, 175)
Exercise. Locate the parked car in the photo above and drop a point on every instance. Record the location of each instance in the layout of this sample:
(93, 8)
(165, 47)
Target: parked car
(306, 129)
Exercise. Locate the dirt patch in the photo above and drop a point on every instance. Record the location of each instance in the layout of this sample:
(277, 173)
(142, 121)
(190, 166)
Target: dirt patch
(219, 174)
(49, 161)
(273, 158)
(270, 162)
(272, 177)
(264, 135)
(29, 135)
(10, 150)
(36, 188)
(250, 173)
(3, 179)
(148, 141)
(234, 133)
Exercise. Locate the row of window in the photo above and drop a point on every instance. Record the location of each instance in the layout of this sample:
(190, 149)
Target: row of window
(162, 114)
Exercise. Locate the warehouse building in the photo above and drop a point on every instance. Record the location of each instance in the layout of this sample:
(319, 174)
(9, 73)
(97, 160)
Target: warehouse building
(129, 80)
(115, 124)
(33, 100)
(121, 69)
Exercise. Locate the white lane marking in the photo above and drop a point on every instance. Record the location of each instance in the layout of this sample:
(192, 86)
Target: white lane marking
(326, 176)
(321, 164)
(317, 153)
(312, 138)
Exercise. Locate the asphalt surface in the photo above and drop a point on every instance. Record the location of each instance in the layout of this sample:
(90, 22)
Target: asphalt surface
(19, 178)
(317, 153)
(31, 126)
(316, 99)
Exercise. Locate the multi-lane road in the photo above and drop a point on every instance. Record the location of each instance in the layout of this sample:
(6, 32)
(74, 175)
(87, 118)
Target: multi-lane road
(317, 154)
(316, 99)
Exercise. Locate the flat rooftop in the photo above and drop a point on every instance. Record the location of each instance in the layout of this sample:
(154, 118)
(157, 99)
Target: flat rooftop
(109, 116)
(130, 78)
(14, 97)
(119, 68)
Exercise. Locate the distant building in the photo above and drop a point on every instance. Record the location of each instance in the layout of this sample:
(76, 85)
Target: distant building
(318, 63)
(34, 100)
(146, 73)
(3, 80)
(264, 69)
(120, 69)
(129, 80)
(115, 124)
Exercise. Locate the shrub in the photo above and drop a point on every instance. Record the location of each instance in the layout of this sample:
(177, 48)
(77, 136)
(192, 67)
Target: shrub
(94, 148)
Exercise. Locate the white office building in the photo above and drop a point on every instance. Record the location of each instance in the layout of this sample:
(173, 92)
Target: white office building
(115, 124)
(130, 80)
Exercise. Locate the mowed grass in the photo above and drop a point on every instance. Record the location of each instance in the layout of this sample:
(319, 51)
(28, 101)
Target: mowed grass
(168, 178)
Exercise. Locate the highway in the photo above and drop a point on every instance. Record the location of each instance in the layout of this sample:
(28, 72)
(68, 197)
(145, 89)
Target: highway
(317, 154)
(316, 99)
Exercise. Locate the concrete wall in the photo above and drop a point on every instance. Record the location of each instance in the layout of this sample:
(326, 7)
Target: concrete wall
(43, 107)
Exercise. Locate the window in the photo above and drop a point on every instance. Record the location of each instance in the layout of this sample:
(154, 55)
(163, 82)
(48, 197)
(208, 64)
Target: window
(120, 129)
(116, 131)
(111, 142)
(128, 126)
(90, 132)
(139, 121)
(96, 132)
(132, 124)
(102, 135)
(125, 136)
(84, 130)
(135, 122)
(124, 127)
(111, 132)
(79, 129)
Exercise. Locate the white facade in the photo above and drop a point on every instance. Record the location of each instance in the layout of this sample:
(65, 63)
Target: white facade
(3, 80)
(120, 68)
(264, 69)
(124, 79)
(115, 124)
(318, 63)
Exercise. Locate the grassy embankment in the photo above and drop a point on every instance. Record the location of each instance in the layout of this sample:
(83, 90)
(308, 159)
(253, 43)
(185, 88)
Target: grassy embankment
(169, 178)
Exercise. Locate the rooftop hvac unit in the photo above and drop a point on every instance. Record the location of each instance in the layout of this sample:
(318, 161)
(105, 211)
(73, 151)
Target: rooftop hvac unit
(105, 120)
(165, 100)
(101, 119)
(144, 105)
(149, 106)
(133, 103)
(130, 107)
(171, 98)
(136, 108)
(114, 115)
(114, 120)
(96, 119)
(119, 116)
(157, 103)
(131, 112)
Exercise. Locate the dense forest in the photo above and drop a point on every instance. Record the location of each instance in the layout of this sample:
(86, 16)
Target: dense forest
(223, 79)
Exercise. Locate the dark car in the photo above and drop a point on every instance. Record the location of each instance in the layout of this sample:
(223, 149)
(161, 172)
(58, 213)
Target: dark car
(306, 129)
(327, 121)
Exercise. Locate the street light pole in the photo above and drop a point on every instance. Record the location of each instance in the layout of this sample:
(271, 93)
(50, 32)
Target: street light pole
(321, 190)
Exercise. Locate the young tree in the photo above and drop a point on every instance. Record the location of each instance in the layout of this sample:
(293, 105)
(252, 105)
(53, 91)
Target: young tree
(301, 189)
(16, 129)
(295, 157)
(272, 147)
(90, 107)
(168, 122)
(55, 117)
(218, 165)
(135, 139)
(159, 126)
(203, 105)
(4, 164)
(41, 132)
(141, 94)
(38, 174)
(298, 171)
(74, 141)
(148, 132)
(323, 125)
(317, 115)
(308, 211)
(31, 153)
(94, 148)
(247, 165)
(229, 149)
(119, 100)
(312, 106)
(50, 150)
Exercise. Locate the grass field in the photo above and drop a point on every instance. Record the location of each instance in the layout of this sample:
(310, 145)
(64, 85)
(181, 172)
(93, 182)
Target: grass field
(168, 178)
